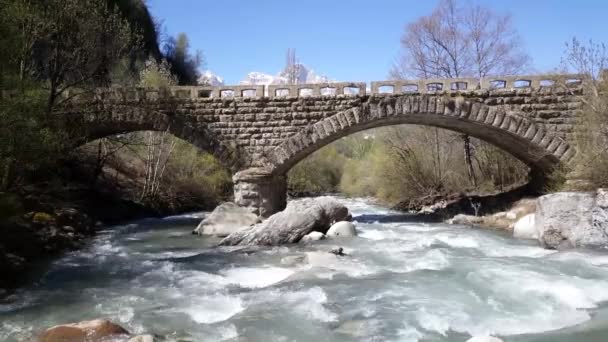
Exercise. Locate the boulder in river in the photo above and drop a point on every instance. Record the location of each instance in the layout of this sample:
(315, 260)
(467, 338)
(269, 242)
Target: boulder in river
(572, 219)
(525, 228)
(94, 330)
(299, 218)
(312, 236)
(342, 229)
(226, 219)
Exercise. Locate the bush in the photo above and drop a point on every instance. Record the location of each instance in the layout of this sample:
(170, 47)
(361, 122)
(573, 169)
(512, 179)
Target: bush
(319, 173)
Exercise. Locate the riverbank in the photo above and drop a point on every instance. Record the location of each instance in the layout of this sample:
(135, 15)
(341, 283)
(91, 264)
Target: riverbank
(44, 220)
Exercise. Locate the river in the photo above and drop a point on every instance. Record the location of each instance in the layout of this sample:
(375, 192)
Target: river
(402, 281)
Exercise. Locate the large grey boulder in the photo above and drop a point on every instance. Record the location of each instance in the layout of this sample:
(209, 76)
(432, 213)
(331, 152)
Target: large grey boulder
(572, 219)
(299, 218)
(226, 219)
(342, 229)
(525, 228)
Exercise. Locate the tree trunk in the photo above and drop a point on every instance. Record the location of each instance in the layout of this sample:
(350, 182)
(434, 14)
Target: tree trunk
(468, 160)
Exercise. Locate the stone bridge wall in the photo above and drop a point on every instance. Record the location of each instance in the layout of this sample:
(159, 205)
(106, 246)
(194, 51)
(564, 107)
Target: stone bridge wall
(269, 129)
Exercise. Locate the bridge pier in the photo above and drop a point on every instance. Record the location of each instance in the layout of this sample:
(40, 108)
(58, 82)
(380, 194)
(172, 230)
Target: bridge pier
(260, 191)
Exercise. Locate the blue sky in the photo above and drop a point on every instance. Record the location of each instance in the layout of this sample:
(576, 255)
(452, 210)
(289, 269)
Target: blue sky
(353, 40)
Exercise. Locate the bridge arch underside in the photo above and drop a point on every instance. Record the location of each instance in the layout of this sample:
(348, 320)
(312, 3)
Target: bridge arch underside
(529, 142)
(91, 127)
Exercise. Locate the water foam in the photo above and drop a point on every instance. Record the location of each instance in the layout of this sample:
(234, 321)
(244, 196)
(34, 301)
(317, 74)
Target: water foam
(257, 277)
(213, 308)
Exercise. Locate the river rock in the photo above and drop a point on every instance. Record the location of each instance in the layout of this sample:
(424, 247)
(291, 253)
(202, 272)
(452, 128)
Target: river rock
(226, 219)
(312, 236)
(299, 218)
(484, 339)
(572, 219)
(525, 228)
(465, 219)
(342, 229)
(142, 338)
(292, 260)
(83, 331)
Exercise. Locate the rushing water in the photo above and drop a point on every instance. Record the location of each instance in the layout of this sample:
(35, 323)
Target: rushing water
(401, 281)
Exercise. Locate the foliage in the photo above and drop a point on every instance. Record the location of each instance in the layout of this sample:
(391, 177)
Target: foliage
(403, 164)
(591, 130)
(157, 74)
(10, 207)
(458, 40)
(184, 64)
(191, 172)
(319, 173)
(27, 142)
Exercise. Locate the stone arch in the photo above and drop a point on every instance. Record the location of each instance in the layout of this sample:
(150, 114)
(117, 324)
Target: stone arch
(91, 125)
(530, 142)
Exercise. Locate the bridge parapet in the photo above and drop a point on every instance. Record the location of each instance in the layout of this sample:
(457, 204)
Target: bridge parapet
(426, 86)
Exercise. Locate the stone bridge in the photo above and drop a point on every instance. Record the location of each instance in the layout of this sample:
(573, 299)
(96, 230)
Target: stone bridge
(260, 132)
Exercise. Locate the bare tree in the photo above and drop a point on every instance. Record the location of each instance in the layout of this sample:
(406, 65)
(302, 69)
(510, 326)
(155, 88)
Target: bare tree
(159, 150)
(591, 129)
(460, 41)
(292, 67)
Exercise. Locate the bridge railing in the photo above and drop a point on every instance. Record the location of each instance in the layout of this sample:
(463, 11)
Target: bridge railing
(335, 89)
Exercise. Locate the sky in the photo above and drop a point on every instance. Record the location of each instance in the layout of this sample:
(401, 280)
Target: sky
(354, 40)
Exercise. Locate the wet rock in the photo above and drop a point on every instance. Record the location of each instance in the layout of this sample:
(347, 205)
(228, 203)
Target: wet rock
(339, 251)
(342, 229)
(525, 228)
(312, 236)
(572, 219)
(70, 217)
(354, 328)
(142, 338)
(466, 220)
(226, 219)
(292, 260)
(299, 218)
(94, 330)
(334, 210)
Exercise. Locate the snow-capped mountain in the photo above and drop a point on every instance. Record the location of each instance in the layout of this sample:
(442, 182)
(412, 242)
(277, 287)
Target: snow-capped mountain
(301, 74)
(208, 78)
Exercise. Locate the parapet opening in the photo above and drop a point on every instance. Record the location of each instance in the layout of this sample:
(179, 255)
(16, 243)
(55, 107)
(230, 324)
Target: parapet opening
(182, 94)
(351, 90)
(498, 84)
(547, 83)
(573, 82)
(459, 86)
(282, 92)
(329, 91)
(410, 88)
(204, 93)
(522, 84)
(248, 93)
(432, 87)
(227, 93)
(305, 92)
(387, 89)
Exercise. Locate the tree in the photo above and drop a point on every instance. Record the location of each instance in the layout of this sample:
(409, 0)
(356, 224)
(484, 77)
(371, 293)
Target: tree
(48, 47)
(591, 130)
(460, 41)
(293, 68)
(184, 65)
